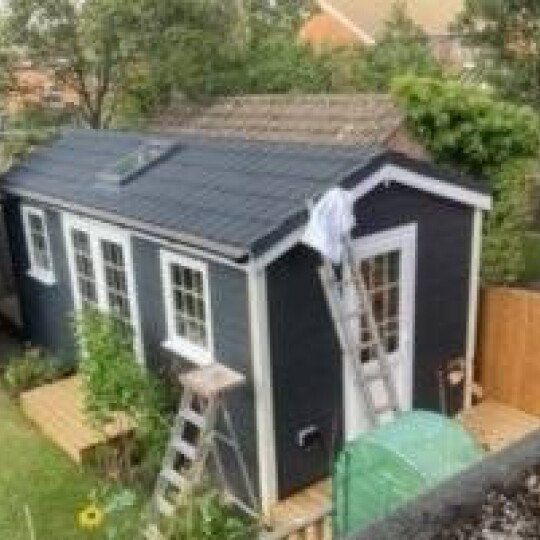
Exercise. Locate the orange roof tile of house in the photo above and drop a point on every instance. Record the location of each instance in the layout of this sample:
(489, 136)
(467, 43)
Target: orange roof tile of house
(323, 28)
(367, 18)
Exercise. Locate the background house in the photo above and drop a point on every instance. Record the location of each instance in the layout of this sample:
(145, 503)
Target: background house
(362, 22)
(195, 241)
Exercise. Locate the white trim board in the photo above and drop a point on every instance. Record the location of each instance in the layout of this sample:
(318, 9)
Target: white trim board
(472, 317)
(263, 387)
(387, 175)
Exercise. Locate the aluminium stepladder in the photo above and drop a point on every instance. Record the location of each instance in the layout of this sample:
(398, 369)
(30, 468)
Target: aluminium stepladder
(335, 282)
(194, 439)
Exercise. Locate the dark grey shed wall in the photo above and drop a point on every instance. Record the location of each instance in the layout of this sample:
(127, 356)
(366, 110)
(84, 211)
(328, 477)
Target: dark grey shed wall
(45, 309)
(232, 342)
(46, 314)
(305, 354)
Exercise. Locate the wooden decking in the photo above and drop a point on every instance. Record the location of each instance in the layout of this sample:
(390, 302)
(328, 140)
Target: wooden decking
(57, 410)
(306, 515)
(495, 425)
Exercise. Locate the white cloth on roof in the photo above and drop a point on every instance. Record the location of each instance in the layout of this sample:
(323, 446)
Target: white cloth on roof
(331, 219)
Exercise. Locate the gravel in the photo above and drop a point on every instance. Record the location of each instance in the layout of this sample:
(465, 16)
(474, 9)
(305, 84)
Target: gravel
(503, 515)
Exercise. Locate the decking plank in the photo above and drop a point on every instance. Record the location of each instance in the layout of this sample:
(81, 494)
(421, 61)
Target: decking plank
(57, 410)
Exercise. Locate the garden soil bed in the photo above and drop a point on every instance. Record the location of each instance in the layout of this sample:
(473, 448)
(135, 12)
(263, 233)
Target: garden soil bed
(497, 499)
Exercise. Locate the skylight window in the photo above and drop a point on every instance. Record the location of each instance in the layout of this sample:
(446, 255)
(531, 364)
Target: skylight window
(146, 155)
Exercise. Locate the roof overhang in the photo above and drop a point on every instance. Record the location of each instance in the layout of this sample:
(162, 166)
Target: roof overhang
(389, 169)
(183, 239)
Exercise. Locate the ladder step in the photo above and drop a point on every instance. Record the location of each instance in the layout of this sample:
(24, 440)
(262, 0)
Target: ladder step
(183, 447)
(193, 417)
(373, 377)
(152, 533)
(175, 479)
(382, 409)
(164, 507)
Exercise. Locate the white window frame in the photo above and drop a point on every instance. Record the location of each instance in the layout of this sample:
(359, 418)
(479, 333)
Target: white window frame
(97, 232)
(175, 343)
(46, 276)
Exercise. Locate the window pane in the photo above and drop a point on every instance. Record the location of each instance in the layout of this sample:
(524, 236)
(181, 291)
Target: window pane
(84, 268)
(382, 279)
(116, 281)
(188, 304)
(38, 243)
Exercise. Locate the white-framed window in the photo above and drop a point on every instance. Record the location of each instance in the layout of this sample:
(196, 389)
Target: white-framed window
(381, 275)
(187, 307)
(101, 271)
(38, 244)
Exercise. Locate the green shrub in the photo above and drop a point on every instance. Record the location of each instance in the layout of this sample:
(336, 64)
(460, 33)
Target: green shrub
(205, 517)
(469, 128)
(114, 381)
(31, 369)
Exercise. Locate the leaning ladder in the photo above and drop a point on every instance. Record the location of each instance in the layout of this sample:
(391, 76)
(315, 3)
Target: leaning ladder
(348, 326)
(194, 438)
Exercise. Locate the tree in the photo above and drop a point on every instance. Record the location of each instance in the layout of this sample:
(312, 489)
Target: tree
(401, 49)
(98, 46)
(506, 35)
(492, 139)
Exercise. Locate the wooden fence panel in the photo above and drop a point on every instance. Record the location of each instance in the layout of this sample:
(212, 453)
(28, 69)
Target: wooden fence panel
(508, 359)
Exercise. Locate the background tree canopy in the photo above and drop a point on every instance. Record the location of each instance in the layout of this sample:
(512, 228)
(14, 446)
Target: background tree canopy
(506, 34)
(125, 58)
(467, 128)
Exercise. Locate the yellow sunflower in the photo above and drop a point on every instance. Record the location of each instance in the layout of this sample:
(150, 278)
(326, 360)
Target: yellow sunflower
(90, 518)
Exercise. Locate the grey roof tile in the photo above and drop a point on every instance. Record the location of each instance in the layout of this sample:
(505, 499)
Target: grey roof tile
(228, 191)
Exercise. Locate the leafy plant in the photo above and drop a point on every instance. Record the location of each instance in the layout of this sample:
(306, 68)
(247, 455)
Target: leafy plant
(204, 516)
(113, 381)
(106, 514)
(470, 129)
(30, 369)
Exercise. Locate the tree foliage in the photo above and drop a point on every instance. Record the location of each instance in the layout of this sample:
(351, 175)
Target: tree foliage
(506, 34)
(496, 140)
(98, 46)
(401, 49)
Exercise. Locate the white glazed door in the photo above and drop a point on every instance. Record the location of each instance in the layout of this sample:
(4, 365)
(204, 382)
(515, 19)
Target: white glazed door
(387, 261)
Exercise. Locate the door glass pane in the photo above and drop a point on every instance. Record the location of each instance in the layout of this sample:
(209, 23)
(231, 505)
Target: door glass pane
(382, 279)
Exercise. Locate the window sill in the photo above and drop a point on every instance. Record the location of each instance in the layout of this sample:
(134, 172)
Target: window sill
(188, 351)
(47, 278)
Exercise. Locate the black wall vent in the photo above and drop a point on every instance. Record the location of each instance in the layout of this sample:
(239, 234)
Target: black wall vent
(145, 156)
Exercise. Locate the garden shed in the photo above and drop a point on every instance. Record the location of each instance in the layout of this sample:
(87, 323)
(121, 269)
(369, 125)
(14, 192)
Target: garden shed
(195, 240)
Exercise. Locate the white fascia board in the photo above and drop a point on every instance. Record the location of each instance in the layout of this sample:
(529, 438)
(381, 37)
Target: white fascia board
(388, 174)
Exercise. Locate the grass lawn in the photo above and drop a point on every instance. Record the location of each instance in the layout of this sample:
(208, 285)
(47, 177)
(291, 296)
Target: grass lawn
(34, 473)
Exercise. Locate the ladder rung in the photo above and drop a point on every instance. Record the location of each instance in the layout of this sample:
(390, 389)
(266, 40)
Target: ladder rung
(152, 533)
(175, 479)
(164, 507)
(372, 377)
(193, 417)
(382, 409)
(187, 450)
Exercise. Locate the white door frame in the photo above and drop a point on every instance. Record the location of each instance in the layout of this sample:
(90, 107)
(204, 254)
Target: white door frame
(100, 231)
(404, 239)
